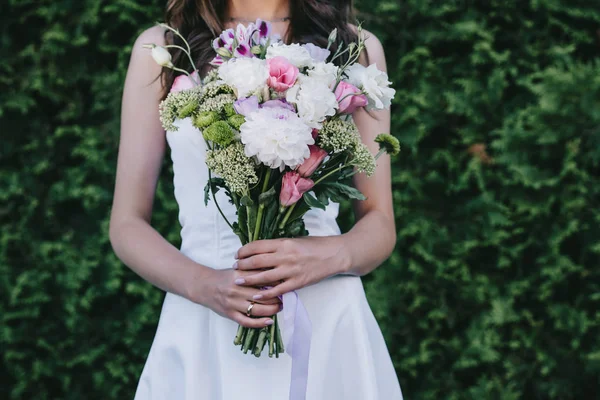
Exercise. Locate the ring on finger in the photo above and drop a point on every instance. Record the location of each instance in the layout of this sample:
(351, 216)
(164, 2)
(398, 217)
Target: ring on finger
(249, 309)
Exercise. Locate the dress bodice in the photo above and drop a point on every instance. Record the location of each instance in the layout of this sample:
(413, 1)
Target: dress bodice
(204, 233)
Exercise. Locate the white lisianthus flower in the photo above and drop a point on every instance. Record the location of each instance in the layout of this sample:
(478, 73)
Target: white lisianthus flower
(294, 53)
(318, 54)
(276, 137)
(325, 72)
(374, 83)
(245, 75)
(314, 99)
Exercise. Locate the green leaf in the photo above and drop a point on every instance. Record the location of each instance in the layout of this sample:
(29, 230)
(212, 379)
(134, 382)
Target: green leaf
(312, 201)
(267, 197)
(338, 192)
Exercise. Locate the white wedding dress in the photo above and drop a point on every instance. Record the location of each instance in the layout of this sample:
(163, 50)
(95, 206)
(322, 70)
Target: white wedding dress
(193, 356)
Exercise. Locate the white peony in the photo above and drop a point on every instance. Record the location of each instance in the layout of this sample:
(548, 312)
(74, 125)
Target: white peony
(374, 82)
(325, 72)
(314, 99)
(294, 53)
(276, 137)
(246, 75)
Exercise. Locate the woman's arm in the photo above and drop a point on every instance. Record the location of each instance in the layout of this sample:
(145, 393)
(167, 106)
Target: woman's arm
(373, 238)
(141, 151)
(305, 261)
(136, 243)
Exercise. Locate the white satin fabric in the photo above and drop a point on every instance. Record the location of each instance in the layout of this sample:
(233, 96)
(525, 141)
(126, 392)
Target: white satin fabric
(193, 356)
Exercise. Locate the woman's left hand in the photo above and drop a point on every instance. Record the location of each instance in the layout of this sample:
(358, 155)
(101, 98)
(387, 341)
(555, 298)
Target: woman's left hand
(292, 263)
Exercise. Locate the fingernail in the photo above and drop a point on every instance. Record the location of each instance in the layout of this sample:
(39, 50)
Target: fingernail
(269, 322)
(257, 296)
(240, 281)
(235, 265)
(236, 256)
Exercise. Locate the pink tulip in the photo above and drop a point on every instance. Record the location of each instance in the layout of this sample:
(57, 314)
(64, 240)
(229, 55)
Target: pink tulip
(349, 98)
(184, 82)
(282, 74)
(293, 187)
(315, 134)
(310, 165)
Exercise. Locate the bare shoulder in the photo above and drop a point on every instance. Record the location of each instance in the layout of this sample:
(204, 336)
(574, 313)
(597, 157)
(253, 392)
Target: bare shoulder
(142, 66)
(374, 53)
(155, 35)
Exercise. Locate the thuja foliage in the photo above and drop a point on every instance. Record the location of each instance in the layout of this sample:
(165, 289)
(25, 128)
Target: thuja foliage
(493, 291)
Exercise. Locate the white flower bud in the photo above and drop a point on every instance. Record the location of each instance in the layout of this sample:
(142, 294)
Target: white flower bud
(160, 55)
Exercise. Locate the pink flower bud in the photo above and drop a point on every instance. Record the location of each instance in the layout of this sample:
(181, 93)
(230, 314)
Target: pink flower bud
(184, 82)
(310, 165)
(349, 98)
(293, 186)
(282, 74)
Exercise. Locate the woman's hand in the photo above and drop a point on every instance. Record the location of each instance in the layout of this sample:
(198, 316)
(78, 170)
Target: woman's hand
(293, 263)
(231, 301)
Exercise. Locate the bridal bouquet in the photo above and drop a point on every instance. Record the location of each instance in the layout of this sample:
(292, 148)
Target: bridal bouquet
(279, 136)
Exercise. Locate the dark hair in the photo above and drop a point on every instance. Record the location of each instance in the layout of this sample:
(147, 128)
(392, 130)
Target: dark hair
(200, 21)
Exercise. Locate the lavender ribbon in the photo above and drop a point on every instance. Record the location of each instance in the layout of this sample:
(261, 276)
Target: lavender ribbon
(297, 332)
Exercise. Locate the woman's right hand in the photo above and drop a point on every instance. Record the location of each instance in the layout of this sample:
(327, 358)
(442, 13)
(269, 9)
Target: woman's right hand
(230, 300)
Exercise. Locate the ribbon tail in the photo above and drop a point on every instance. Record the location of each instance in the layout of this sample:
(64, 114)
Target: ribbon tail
(297, 332)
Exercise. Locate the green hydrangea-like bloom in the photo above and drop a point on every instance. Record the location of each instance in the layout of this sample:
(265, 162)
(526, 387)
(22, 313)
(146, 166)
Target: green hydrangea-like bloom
(176, 104)
(337, 136)
(204, 119)
(363, 160)
(188, 110)
(220, 133)
(229, 110)
(388, 143)
(236, 121)
(233, 166)
(216, 103)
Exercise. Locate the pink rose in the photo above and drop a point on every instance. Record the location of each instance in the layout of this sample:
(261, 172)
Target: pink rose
(184, 82)
(310, 165)
(293, 187)
(349, 98)
(282, 74)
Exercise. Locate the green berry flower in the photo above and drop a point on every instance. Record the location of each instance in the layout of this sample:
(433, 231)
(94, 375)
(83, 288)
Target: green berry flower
(388, 143)
(205, 119)
(229, 110)
(236, 121)
(188, 109)
(219, 132)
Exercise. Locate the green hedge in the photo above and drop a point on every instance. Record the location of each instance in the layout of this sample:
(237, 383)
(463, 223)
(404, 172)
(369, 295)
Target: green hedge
(494, 290)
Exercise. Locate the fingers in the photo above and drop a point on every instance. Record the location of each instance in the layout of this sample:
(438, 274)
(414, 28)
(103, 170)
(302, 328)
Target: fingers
(248, 322)
(277, 291)
(259, 310)
(258, 247)
(257, 261)
(260, 314)
(263, 278)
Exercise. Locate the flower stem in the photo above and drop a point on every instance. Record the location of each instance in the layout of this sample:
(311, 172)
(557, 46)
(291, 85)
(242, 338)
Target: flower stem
(189, 50)
(212, 190)
(189, 58)
(287, 216)
(261, 207)
(327, 175)
(238, 337)
(272, 338)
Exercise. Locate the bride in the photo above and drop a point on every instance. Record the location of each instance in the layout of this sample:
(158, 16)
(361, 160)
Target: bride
(211, 280)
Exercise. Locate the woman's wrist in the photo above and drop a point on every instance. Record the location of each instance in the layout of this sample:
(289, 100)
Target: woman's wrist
(343, 263)
(197, 284)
